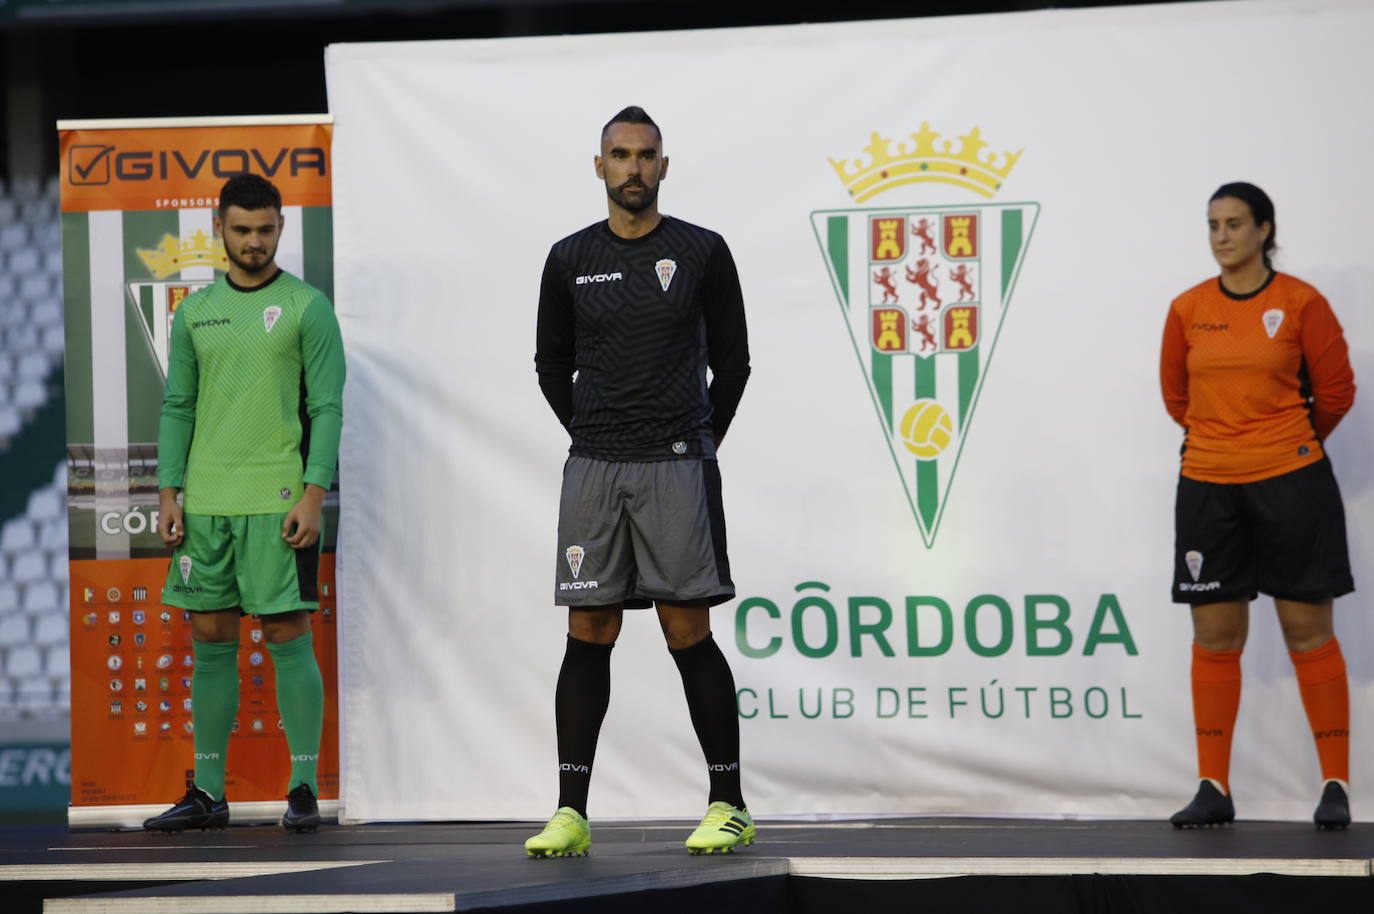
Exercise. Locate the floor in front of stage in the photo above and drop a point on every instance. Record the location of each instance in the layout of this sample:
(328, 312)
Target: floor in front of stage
(940, 864)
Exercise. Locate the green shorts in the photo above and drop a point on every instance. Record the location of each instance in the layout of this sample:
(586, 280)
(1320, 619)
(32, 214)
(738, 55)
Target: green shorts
(241, 562)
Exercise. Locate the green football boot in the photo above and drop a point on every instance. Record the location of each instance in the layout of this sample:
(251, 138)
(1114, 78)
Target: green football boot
(723, 827)
(566, 835)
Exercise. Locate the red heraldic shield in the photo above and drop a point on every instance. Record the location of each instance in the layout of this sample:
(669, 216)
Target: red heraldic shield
(961, 327)
(889, 329)
(960, 235)
(888, 239)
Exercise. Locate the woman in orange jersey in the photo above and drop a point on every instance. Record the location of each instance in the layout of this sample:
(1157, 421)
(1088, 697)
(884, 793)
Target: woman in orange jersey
(1255, 368)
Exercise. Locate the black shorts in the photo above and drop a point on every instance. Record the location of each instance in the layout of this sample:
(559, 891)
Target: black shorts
(1283, 536)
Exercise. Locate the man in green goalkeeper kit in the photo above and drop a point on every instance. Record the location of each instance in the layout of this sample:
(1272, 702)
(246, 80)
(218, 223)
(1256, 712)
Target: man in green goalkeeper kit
(250, 436)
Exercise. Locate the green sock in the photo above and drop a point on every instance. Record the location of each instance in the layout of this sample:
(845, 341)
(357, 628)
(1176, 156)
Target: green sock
(300, 701)
(214, 702)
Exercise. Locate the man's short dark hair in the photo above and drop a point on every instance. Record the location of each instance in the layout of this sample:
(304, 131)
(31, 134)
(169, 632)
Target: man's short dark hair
(631, 115)
(248, 191)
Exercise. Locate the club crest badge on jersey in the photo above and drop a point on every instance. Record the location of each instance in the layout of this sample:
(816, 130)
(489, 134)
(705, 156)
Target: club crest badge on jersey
(1193, 559)
(185, 564)
(1273, 319)
(665, 269)
(269, 317)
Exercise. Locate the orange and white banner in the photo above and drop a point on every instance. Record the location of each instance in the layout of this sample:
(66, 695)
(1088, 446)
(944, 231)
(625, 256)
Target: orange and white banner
(137, 204)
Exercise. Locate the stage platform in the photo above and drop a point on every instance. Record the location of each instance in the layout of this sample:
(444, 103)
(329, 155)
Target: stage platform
(926, 864)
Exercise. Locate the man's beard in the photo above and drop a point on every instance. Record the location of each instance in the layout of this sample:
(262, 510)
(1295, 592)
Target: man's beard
(248, 267)
(636, 201)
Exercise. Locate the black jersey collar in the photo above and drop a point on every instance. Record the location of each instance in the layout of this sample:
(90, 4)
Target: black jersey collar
(1248, 295)
(662, 221)
(258, 288)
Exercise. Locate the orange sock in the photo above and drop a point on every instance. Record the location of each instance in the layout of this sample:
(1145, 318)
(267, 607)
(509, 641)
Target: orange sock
(1216, 699)
(1326, 696)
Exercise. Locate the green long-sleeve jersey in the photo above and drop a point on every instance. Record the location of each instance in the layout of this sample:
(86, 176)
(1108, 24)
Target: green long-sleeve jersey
(254, 400)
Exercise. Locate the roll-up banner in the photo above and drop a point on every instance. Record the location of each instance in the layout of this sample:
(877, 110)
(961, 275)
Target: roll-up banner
(138, 198)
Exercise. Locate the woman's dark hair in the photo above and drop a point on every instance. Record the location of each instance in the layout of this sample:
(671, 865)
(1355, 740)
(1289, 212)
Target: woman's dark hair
(1261, 207)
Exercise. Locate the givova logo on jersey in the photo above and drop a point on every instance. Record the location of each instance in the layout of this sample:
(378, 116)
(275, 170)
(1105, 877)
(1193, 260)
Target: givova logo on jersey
(923, 291)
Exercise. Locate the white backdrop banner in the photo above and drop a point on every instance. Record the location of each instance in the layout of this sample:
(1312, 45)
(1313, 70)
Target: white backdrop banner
(950, 482)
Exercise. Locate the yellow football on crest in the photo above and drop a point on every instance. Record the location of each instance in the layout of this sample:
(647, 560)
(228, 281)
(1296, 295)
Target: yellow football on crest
(926, 429)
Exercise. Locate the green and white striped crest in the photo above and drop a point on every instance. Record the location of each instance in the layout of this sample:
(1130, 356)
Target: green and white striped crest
(924, 292)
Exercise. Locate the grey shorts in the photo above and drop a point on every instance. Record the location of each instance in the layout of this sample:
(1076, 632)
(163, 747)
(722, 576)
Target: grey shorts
(637, 533)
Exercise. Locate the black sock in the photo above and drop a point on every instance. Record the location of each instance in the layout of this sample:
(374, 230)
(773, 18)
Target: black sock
(584, 691)
(710, 690)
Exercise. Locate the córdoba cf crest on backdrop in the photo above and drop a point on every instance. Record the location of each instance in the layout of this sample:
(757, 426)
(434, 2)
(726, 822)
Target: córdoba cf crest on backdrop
(923, 292)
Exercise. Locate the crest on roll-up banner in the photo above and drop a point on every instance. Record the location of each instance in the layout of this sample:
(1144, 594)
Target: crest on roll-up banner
(924, 291)
(155, 301)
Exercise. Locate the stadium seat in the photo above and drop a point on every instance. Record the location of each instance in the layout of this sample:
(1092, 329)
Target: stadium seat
(50, 629)
(34, 694)
(26, 188)
(23, 661)
(38, 211)
(29, 566)
(35, 663)
(24, 261)
(9, 597)
(54, 341)
(17, 535)
(29, 394)
(10, 421)
(42, 597)
(13, 236)
(45, 504)
(35, 287)
(52, 535)
(58, 662)
(33, 365)
(48, 312)
(59, 567)
(14, 631)
(21, 339)
(13, 312)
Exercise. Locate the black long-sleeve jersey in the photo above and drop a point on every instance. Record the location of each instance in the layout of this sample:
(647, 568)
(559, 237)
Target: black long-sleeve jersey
(639, 321)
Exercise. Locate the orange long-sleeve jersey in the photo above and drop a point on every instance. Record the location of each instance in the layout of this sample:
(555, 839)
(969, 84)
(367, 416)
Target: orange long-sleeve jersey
(1256, 381)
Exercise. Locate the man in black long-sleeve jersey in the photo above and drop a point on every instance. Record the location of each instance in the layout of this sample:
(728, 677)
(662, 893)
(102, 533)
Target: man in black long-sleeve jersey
(639, 307)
